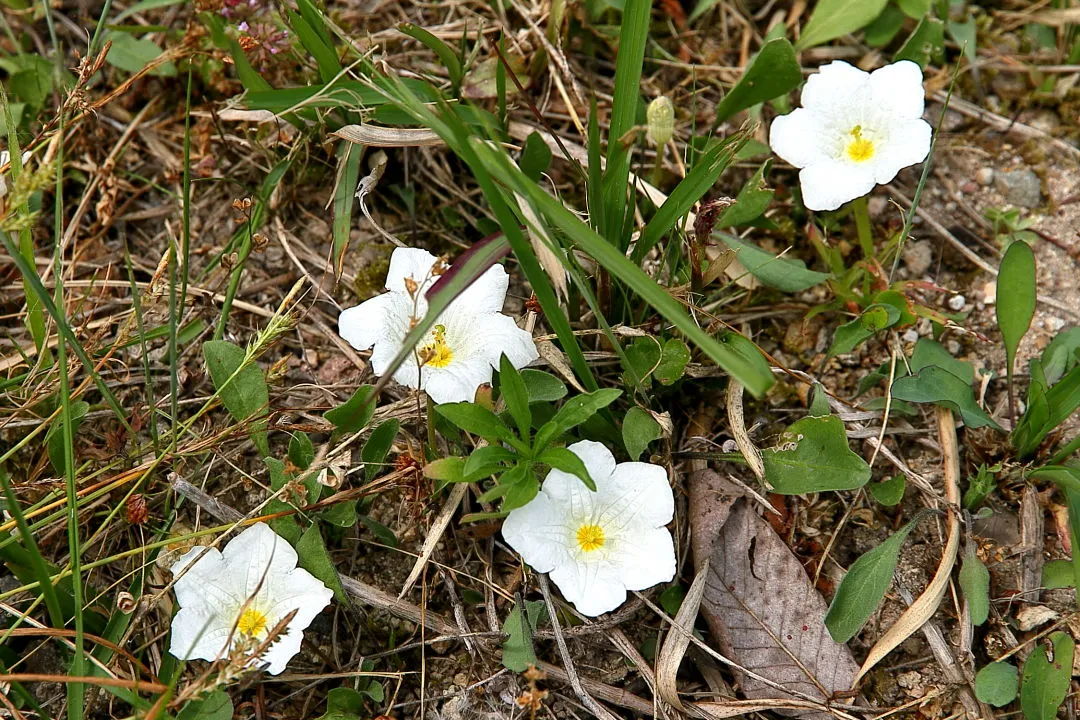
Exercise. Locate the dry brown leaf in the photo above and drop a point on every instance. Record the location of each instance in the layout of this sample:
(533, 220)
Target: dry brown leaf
(760, 604)
(678, 640)
(377, 136)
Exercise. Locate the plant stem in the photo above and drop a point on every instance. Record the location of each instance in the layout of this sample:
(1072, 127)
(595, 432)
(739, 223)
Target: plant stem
(861, 208)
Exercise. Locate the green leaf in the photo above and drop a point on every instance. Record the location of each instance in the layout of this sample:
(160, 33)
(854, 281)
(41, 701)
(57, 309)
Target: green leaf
(964, 35)
(813, 456)
(787, 274)
(939, 386)
(872, 321)
(1061, 355)
(475, 419)
(355, 413)
(520, 485)
(1016, 298)
(446, 470)
(516, 396)
(348, 159)
(384, 534)
(518, 652)
(378, 444)
(673, 360)
(542, 386)
(864, 586)
(214, 706)
(133, 54)
(566, 461)
(751, 203)
(342, 514)
(1046, 411)
(642, 357)
(980, 486)
(914, 9)
(310, 29)
(574, 411)
(242, 388)
(774, 72)
(929, 352)
(833, 18)
(1045, 681)
(975, 583)
(927, 42)
(344, 704)
(889, 492)
(446, 55)
(1058, 574)
(638, 430)
(301, 451)
(535, 157)
(996, 684)
(484, 461)
(885, 27)
(315, 558)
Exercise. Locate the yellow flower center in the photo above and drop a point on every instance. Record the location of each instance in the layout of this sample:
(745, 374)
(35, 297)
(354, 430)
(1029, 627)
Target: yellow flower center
(438, 353)
(252, 623)
(859, 149)
(590, 537)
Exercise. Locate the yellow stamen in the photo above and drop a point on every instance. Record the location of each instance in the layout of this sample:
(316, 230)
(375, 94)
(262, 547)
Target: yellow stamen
(252, 623)
(859, 149)
(590, 537)
(438, 353)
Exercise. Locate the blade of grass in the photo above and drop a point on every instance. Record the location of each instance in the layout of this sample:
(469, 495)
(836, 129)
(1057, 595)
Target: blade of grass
(751, 371)
(628, 64)
(344, 198)
(33, 553)
(447, 57)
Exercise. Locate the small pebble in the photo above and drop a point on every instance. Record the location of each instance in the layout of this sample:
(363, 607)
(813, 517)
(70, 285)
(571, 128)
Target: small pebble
(990, 293)
(956, 303)
(968, 188)
(953, 347)
(918, 257)
(729, 446)
(910, 336)
(984, 176)
(1020, 187)
(1054, 324)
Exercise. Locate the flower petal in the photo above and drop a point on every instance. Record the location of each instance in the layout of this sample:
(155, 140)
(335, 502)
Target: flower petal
(644, 557)
(594, 588)
(384, 319)
(567, 491)
(597, 458)
(487, 293)
(456, 382)
(828, 185)
(301, 591)
(898, 88)
(412, 263)
(200, 633)
(257, 560)
(801, 137)
(202, 580)
(496, 334)
(908, 144)
(540, 532)
(637, 495)
(284, 649)
(832, 85)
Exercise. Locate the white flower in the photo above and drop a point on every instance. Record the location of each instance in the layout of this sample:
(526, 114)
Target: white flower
(854, 129)
(240, 595)
(597, 545)
(5, 158)
(465, 344)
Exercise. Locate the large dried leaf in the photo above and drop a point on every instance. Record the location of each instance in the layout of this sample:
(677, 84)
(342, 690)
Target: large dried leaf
(760, 604)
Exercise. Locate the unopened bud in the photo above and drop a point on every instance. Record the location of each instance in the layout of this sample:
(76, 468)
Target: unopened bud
(661, 117)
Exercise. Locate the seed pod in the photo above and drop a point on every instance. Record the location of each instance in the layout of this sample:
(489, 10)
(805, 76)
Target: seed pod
(661, 119)
(125, 602)
(135, 510)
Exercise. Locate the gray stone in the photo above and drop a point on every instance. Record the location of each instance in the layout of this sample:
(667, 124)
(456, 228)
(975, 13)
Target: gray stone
(956, 303)
(1020, 187)
(953, 347)
(918, 257)
(984, 176)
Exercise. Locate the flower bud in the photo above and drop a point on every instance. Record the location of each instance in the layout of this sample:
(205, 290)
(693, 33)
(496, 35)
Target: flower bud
(661, 119)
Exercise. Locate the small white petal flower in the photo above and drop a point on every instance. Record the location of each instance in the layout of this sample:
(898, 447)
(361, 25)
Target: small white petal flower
(597, 545)
(240, 595)
(464, 347)
(854, 130)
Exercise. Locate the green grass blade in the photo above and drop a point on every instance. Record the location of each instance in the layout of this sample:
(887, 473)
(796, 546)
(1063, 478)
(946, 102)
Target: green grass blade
(33, 554)
(446, 55)
(751, 370)
(344, 198)
(689, 190)
(627, 98)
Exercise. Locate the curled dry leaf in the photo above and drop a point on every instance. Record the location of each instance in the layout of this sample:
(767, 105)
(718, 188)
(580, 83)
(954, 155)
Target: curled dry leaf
(759, 602)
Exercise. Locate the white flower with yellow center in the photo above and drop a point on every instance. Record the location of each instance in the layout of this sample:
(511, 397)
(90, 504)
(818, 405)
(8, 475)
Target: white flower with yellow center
(464, 346)
(597, 545)
(854, 130)
(238, 596)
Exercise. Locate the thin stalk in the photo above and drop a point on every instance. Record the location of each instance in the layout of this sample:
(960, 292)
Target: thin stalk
(861, 209)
